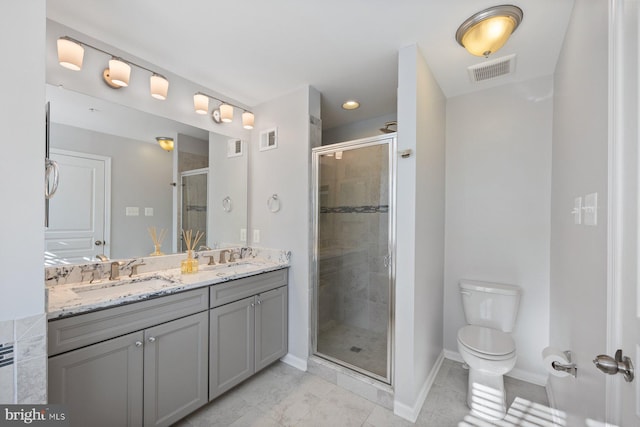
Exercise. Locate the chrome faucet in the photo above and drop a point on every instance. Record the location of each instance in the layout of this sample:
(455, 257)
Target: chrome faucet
(115, 270)
(134, 269)
(223, 259)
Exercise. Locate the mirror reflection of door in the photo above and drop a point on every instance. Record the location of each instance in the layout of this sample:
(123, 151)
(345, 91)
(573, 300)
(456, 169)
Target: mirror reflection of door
(194, 202)
(79, 210)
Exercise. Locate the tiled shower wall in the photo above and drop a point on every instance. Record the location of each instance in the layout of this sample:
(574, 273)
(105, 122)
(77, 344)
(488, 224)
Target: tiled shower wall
(354, 215)
(23, 360)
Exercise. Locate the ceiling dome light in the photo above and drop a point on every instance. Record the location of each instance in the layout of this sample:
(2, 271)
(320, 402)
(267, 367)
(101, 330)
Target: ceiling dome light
(165, 142)
(351, 105)
(159, 86)
(70, 54)
(487, 31)
(247, 120)
(119, 71)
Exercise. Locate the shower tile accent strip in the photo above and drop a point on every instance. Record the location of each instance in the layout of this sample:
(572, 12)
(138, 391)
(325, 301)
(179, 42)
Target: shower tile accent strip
(356, 209)
(6, 354)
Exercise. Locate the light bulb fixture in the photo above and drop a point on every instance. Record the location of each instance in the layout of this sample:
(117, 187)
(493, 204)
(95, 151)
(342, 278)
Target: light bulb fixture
(222, 114)
(226, 113)
(351, 105)
(71, 54)
(119, 71)
(487, 31)
(165, 142)
(201, 103)
(247, 120)
(159, 86)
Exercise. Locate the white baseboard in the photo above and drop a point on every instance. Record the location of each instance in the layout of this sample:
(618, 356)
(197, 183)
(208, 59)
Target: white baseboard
(411, 413)
(295, 361)
(516, 373)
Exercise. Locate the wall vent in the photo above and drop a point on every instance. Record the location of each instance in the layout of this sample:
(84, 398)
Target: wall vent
(492, 69)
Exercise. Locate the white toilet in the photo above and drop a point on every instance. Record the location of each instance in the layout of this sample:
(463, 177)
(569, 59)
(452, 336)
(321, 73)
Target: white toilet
(486, 345)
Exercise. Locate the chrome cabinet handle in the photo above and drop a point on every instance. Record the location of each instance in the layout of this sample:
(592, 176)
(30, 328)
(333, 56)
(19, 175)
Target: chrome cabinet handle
(152, 339)
(259, 302)
(138, 343)
(253, 305)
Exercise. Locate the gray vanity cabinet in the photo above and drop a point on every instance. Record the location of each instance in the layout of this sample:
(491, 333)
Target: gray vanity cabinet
(100, 384)
(248, 333)
(152, 377)
(175, 369)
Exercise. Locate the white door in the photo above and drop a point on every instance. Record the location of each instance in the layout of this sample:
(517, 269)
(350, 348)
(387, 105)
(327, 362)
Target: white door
(79, 210)
(623, 404)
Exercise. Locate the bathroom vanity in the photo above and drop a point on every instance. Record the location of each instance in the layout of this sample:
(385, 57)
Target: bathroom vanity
(153, 357)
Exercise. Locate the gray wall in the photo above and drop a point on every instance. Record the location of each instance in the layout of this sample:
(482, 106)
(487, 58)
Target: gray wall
(498, 200)
(140, 177)
(420, 231)
(579, 252)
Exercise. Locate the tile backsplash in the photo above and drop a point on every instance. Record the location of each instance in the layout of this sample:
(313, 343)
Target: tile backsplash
(23, 360)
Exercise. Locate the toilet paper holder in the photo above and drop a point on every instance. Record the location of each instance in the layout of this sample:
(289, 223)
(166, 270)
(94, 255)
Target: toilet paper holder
(569, 368)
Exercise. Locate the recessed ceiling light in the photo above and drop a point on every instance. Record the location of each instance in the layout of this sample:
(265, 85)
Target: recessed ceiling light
(350, 105)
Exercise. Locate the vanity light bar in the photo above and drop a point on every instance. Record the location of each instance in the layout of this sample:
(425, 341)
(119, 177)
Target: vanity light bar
(201, 106)
(71, 54)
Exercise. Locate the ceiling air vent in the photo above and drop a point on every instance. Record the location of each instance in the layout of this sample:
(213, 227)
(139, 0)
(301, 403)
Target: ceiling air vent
(492, 69)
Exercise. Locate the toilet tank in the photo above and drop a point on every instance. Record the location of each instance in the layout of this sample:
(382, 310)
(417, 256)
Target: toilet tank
(493, 305)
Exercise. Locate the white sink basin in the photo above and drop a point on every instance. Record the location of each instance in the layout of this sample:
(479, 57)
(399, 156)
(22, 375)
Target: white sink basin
(233, 267)
(121, 287)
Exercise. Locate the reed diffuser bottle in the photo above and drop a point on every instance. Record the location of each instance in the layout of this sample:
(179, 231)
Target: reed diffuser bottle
(190, 264)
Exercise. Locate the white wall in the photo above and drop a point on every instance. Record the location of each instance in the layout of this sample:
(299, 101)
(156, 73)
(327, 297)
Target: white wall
(227, 178)
(579, 252)
(498, 198)
(419, 232)
(22, 172)
(362, 129)
(140, 177)
(285, 171)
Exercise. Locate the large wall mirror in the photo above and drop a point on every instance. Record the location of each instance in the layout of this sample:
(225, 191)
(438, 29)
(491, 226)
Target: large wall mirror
(117, 185)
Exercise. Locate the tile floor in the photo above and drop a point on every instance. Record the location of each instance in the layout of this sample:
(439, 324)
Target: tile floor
(284, 396)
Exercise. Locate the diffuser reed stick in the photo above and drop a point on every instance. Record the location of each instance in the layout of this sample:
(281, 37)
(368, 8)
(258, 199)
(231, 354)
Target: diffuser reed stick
(157, 238)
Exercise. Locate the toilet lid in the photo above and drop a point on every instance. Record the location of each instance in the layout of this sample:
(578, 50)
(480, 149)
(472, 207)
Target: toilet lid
(486, 340)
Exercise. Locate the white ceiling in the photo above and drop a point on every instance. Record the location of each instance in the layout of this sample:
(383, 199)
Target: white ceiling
(254, 50)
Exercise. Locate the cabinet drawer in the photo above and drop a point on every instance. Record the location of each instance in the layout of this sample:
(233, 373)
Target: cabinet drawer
(78, 331)
(234, 290)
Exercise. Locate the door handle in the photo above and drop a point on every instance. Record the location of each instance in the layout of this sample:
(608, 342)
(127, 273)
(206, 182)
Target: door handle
(619, 364)
(100, 242)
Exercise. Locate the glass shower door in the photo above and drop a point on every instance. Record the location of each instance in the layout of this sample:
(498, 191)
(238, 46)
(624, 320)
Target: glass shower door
(193, 214)
(353, 236)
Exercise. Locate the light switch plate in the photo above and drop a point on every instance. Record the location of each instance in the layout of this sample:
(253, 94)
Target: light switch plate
(243, 234)
(256, 236)
(132, 211)
(148, 211)
(590, 209)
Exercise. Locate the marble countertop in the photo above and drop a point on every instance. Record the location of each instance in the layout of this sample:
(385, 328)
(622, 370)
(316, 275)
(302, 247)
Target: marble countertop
(69, 299)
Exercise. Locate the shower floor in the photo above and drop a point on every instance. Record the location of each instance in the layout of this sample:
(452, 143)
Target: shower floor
(359, 347)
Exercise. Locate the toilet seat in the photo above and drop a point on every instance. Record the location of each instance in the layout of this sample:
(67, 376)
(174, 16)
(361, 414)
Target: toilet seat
(487, 343)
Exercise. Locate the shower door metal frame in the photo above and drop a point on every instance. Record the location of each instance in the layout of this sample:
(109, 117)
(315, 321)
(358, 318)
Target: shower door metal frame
(181, 176)
(391, 141)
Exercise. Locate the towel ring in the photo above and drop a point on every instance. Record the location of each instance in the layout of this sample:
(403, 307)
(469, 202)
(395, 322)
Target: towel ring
(227, 205)
(273, 203)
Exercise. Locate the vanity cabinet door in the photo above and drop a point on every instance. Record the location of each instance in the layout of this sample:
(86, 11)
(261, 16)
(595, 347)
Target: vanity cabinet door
(175, 369)
(271, 327)
(231, 343)
(101, 384)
